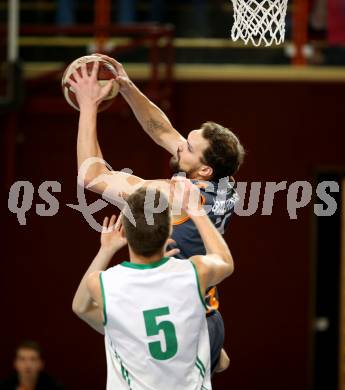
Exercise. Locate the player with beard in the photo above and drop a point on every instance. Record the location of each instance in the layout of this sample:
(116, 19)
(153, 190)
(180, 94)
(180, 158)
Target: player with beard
(209, 157)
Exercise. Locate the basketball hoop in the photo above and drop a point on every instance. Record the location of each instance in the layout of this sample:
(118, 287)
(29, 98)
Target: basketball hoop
(259, 21)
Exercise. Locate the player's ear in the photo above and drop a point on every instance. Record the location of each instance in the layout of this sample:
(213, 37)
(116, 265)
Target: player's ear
(206, 171)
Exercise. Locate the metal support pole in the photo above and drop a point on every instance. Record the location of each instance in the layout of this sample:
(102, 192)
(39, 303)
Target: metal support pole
(300, 31)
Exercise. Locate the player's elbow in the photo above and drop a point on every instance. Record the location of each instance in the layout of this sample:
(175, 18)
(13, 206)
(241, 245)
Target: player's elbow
(85, 181)
(230, 267)
(77, 309)
(88, 179)
(93, 180)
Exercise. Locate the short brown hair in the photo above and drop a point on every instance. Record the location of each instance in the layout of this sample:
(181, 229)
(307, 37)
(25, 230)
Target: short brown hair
(147, 239)
(29, 344)
(225, 153)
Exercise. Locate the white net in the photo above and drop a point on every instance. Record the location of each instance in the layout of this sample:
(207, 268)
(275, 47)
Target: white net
(259, 21)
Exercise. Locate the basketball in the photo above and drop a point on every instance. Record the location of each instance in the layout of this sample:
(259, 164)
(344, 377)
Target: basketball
(106, 72)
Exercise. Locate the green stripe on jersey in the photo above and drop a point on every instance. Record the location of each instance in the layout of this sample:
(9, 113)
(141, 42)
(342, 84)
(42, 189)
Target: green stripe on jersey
(201, 364)
(155, 264)
(124, 371)
(199, 368)
(104, 303)
(198, 283)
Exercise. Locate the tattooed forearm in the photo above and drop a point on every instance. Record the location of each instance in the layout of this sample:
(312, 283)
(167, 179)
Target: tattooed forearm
(155, 127)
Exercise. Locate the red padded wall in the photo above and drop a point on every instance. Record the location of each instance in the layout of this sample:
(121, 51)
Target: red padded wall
(288, 129)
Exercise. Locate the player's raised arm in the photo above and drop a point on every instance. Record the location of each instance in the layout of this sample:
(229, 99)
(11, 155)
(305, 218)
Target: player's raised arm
(152, 119)
(218, 263)
(89, 94)
(87, 302)
(91, 166)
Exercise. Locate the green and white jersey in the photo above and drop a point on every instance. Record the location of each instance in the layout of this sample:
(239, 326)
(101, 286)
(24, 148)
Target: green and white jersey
(156, 335)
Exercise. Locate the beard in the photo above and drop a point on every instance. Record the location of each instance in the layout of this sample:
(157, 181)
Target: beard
(175, 166)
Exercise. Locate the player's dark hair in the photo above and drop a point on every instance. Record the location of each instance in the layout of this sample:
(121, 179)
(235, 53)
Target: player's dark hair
(147, 239)
(225, 153)
(29, 344)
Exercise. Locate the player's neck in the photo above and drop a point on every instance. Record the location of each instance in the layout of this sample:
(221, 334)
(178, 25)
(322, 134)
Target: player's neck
(137, 259)
(27, 383)
(196, 176)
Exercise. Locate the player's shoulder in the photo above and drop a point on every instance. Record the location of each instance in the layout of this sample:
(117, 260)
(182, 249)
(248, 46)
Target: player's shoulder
(179, 263)
(224, 185)
(199, 263)
(223, 190)
(201, 268)
(113, 271)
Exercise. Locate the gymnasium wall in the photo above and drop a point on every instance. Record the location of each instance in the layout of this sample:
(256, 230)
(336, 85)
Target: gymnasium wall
(288, 129)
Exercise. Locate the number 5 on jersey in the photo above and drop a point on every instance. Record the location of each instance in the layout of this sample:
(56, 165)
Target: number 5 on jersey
(152, 329)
